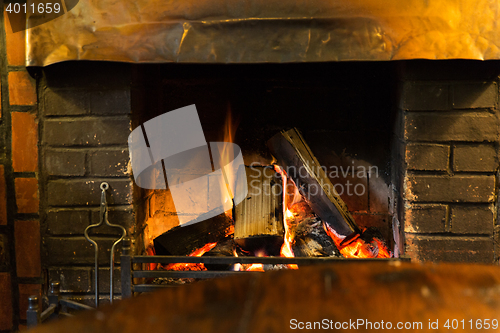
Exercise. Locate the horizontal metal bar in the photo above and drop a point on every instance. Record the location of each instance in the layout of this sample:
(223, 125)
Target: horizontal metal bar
(184, 274)
(249, 260)
(146, 288)
(48, 312)
(75, 305)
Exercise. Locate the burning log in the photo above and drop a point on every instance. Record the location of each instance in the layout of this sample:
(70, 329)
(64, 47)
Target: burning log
(224, 248)
(293, 153)
(368, 244)
(185, 240)
(310, 238)
(258, 219)
(312, 241)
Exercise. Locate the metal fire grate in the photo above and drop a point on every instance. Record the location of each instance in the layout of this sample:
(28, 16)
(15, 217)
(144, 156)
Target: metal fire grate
(128, 274)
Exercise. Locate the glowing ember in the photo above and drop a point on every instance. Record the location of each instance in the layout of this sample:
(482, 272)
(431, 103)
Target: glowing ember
(357, 248)
(252, 267)
(150, 251)
(229, 230)
(255, 268)
(192, 266)
(383, 252)
(197, 253)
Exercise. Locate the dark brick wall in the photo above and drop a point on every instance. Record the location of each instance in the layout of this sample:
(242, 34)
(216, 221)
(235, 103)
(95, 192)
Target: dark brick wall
(448, 130)
(20, 262)
(85, 115)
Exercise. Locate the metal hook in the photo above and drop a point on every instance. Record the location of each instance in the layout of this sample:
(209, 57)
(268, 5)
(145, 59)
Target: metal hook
(104, 218)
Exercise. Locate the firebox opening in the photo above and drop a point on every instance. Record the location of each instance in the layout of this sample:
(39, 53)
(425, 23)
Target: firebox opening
(345, 111)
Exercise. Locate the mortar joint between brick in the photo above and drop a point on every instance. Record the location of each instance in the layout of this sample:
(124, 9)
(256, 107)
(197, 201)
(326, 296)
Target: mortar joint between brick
(88, 117)
(451, 155)
(447, 222)
(110, 146)
(456, 202)
(26, 216)
(427, 173)
(497, 197)
(23, 108)
(452, 175)
(31, 280)
(11, 68)
(87, 163)
(496, 242)
(448, 235)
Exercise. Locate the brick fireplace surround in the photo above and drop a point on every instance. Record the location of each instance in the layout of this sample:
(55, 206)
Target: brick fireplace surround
(64, 129)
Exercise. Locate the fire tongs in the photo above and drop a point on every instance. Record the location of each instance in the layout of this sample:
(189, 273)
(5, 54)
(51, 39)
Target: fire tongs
(104, 218)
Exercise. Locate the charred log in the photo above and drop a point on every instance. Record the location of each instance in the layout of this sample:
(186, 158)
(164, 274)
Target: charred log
(224, 248)
(184, 240)
(293, 153)
(310, 238)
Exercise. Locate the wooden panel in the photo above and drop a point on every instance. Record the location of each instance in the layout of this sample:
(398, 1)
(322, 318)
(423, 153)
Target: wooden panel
(261, 213)
(372, 291)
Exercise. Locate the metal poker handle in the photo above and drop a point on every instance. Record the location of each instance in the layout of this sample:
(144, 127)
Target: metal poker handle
(96, 247)
(104, 219)
(104, 216)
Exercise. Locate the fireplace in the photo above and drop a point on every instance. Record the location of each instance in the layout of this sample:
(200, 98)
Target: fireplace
(425, 133)
(426, 138)
(258, 100)
(431, 149)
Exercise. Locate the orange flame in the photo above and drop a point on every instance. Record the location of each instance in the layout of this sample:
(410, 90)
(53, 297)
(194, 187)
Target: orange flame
(227, 153)
(286, 248)
(192, 266)
(358, 248)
